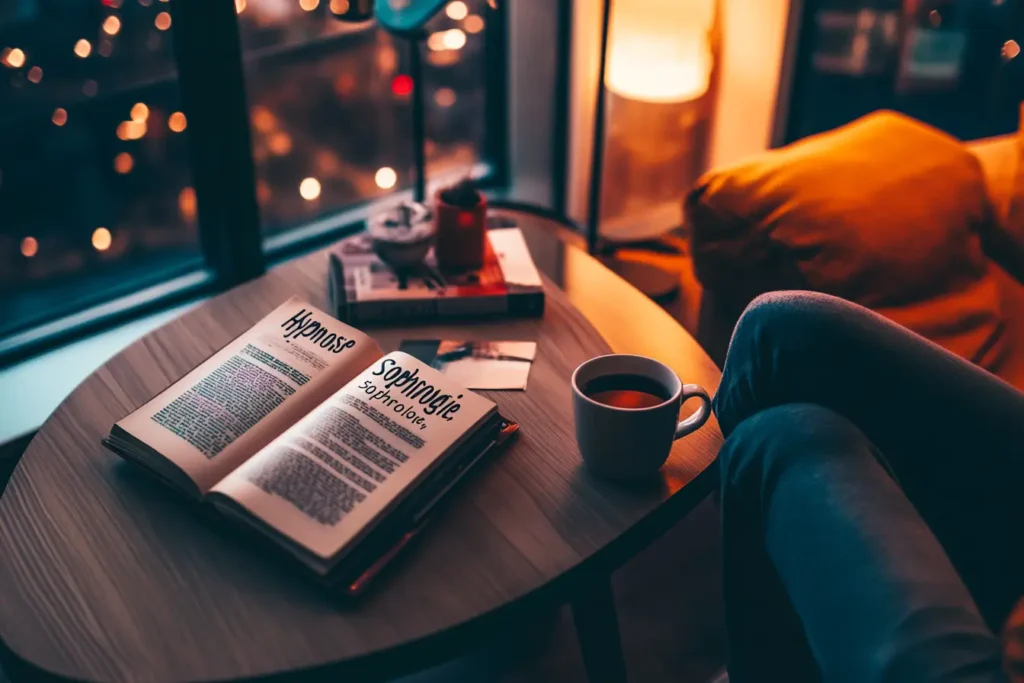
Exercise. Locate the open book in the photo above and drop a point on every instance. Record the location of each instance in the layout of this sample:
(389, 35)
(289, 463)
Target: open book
(304, 430)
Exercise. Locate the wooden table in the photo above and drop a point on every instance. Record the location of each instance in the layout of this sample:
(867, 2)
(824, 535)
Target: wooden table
(107, 575)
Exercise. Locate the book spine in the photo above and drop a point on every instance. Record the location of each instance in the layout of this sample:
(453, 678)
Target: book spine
(526, 304)
(519, 304)
(336, 289)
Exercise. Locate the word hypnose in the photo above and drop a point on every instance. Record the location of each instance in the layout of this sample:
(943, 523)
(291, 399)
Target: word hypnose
(301, 325)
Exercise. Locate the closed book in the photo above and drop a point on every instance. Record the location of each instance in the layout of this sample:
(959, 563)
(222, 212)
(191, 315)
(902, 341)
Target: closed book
(364, 290)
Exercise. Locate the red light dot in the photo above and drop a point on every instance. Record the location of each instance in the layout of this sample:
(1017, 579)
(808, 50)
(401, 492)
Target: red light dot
(402, 85)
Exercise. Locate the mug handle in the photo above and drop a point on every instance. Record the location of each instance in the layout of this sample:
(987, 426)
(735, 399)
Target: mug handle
(697, 420)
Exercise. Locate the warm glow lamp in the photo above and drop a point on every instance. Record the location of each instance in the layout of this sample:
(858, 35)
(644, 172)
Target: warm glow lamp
(652, 124)
(659, 50)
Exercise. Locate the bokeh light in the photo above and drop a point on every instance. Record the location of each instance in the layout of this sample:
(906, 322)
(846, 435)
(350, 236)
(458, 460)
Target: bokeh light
(15, 58)
(309, 188)
(474, 23)
(309, 5)
(60, 116)
(29, 247)
(435, 41)
(140, 112)
(402, 85)
(280, 143)
(454, 39)
(35, 74)
(177, 122)
(101, 239)
(111, 25)
(444, 97)
(123, 163)
(162, 21)
(385, 177)
(187, 204)
(131, 130)
(457, 10)
(83, 48)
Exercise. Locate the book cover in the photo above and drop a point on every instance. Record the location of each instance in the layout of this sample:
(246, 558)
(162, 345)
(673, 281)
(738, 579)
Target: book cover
(363, 289)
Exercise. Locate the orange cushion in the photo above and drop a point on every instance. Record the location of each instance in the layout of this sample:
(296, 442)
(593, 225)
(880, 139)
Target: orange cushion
(885, 212)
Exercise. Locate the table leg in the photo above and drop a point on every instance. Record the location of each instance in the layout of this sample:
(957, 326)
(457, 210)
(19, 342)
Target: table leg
(597, 630)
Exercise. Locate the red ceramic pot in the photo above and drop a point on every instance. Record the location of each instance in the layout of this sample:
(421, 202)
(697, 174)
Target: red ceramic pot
(459, 243)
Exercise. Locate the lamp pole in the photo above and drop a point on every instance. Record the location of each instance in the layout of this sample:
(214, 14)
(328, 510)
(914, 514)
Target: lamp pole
(419, 142)
(597, 151)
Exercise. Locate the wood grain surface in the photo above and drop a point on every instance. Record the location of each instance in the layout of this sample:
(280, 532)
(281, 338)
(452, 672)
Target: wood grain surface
(107, 575)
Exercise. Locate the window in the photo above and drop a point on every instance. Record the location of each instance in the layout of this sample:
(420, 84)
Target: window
(954, 64)
(95, 188)
(331, 105)
(97, 184)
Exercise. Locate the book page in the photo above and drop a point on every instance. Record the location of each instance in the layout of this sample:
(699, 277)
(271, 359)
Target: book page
(234, 403)
(327, 478)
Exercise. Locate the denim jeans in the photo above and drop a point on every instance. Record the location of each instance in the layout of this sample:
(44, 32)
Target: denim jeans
(871, 500)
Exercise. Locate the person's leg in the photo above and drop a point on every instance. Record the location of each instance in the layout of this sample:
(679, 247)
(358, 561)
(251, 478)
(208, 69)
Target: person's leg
(825, 556)
(953, 433)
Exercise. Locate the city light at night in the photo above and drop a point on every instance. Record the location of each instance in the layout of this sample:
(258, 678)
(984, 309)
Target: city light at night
(402, 85)
(444, 97)
(131, 130)
(111, 25)
(60, 116)
(309, 188)
(187, 204)
(474, 23)
(280, 143)
(101, 239)
(15, 58)
(457, 10)
(385, 177)
(162, 21)
(140, 112)
(35, 74)
(309, 5)
(123, 163)
(177, 122)
(83, 48)
(239, 6)
(29, 247)
(454, 39)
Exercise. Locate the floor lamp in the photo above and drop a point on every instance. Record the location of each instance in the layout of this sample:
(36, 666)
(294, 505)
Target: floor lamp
(651, 125)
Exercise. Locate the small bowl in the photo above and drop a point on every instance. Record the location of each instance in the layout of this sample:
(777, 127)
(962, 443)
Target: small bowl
(402, 237)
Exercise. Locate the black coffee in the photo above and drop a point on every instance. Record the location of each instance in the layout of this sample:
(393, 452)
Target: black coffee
(626, 391)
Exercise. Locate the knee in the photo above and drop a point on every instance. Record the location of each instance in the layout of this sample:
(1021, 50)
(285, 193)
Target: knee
(785, 318)
(781, 341)
(776, 439)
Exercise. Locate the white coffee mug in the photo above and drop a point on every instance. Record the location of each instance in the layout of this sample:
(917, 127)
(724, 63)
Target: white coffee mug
(623, 442)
